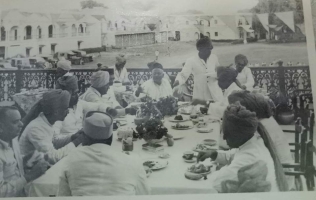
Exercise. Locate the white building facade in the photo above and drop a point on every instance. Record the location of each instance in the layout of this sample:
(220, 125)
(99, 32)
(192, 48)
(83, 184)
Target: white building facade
(31, 34)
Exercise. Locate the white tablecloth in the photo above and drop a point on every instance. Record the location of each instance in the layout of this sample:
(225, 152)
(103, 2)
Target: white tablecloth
(169, 180)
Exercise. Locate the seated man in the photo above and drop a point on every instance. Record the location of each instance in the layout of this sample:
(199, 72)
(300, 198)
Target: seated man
(245, 76)
(156, 87)
(239, 128)
(66, 130)
(269, 129)
(120, 72)
(100, 92)
(13, 177)
(153, 65)
(226, 77)
(38, 134)
(97, 169)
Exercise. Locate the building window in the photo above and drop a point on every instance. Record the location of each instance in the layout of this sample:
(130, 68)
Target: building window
(40, 50)
(215, 21)
(216, 34)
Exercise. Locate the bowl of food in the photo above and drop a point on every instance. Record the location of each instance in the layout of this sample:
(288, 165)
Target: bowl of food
(188, 156)
(209, 142)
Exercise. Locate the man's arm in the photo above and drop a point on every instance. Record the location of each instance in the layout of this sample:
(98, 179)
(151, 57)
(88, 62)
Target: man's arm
(63, 186)
(185, 73)
(42, 143)
(11, 188)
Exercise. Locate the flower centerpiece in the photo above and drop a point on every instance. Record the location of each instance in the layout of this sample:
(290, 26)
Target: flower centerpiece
(149, 119)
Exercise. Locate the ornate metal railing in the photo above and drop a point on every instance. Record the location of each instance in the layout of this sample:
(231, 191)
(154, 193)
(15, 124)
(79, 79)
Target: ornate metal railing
(288, 80)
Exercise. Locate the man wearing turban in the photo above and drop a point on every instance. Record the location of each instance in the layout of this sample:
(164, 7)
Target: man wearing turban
(202, 65)
(97, 168)
(100, 92)
(120, 72)
(38, 134)
(269, 129)
(63, 68)
(247, 148)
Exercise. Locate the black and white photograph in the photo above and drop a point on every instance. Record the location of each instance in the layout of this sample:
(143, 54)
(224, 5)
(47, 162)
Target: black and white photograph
(155, 97)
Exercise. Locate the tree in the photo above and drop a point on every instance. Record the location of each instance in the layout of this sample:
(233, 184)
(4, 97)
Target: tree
(272, 6)
(91, 4)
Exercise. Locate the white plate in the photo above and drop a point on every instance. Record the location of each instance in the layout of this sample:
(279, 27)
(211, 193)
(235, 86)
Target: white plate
(205, 130)
(159, 164)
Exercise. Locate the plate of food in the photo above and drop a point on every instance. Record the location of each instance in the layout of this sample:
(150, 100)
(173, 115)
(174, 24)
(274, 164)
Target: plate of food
(156, 164)
(200, 168)
(179, 126)
(178, 118)
(203, 148)
(189, 157)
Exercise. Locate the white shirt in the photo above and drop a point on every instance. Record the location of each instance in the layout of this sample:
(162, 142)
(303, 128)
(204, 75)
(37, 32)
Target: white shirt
(73, 122)
(92, 95)
(99, 170)
(38, 135)
(200, 70)
(121, 76)
(156, 91)
(217, 109)
(12, 179)
(245, 78)
(249, 153)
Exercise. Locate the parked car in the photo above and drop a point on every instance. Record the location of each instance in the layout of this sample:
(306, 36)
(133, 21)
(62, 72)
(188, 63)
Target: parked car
(28, 63)
(86, 57)
(50, 59)
(71, 56)
(6, 65)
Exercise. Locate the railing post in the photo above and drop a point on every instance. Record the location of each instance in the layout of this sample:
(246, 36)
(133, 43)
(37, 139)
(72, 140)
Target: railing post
(281, 78)
(19, 79)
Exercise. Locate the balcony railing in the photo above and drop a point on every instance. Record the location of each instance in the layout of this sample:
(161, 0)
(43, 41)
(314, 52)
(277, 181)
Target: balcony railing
(284, 79)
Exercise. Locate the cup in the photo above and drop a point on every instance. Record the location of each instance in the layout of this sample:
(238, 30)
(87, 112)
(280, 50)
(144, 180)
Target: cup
(188, 155)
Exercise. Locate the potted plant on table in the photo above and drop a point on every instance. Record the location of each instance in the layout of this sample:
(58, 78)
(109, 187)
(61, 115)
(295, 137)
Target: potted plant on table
(283, 112)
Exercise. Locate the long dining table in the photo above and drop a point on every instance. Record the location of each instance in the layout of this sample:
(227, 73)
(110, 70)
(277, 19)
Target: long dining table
(169, 180)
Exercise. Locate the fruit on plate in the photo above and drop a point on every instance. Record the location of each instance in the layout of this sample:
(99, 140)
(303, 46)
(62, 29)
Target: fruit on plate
(199, 168)
(193, 176)
(149, 164)
(178, 117)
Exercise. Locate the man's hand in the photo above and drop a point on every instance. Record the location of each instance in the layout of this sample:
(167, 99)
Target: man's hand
(208, 154)
(79, 139)
(139, 90)
(74, 136)
(243, 87)
(36, 171)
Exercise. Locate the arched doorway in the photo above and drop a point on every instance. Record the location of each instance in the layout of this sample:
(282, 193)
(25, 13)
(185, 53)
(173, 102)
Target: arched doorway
(197, 36)
(3, 33)
(80, 29)
(28, 32)
(50, 31)
(14, 33)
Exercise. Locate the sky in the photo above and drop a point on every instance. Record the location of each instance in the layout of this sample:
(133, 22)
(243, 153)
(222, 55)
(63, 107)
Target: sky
(137, 7)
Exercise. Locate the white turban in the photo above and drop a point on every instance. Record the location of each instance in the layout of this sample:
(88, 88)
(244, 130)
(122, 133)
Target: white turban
(98, 126)
(64, 64)
(99, 79)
